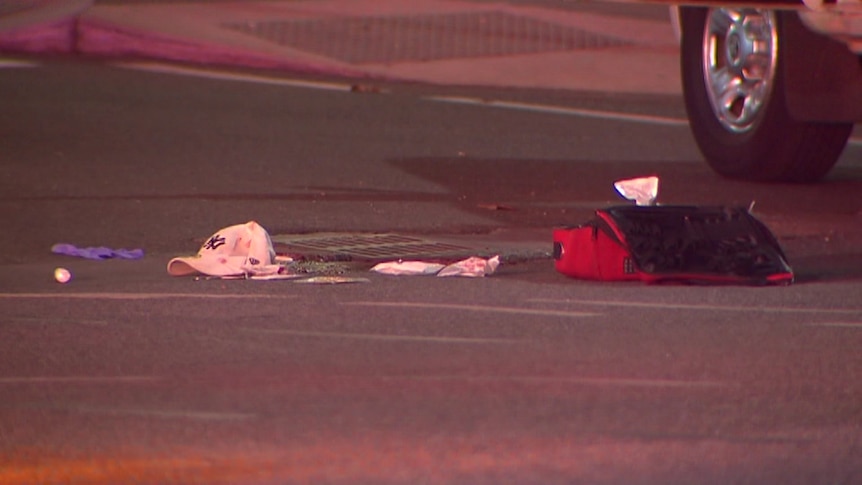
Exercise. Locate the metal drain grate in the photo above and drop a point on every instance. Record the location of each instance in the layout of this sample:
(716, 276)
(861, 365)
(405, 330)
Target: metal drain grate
(369, 246)
(360, 40)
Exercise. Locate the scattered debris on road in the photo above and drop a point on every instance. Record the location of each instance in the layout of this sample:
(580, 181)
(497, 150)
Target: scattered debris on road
(642, 190)
(408, 268)
(62, 275)
(239, 250)
(96, 252)
(674, 243)
(473, 266)
(333, 280)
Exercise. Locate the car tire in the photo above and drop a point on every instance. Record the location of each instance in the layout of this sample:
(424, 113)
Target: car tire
(733, 90)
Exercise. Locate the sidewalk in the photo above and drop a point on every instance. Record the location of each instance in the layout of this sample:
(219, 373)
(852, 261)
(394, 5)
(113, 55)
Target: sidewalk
(454, 42)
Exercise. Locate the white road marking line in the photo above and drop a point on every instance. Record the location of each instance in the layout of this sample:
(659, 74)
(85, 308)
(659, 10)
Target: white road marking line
(56, 320)
(76, 379)
(594, 381)
(854, 141)
(231, 76)
(245, 346)
(12, 63)
(584, 113)
(157, 413)
(385, 337)
(139, 296)
(474, 308)
(837, 324)
(341, 87)
(686, 306)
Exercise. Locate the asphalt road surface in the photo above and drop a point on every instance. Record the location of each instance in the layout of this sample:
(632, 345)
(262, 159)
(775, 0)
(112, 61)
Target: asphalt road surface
(128, 375)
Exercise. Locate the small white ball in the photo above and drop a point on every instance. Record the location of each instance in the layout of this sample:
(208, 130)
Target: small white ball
(62, 275)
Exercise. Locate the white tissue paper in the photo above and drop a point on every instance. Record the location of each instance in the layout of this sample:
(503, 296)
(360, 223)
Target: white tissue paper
(642, 190)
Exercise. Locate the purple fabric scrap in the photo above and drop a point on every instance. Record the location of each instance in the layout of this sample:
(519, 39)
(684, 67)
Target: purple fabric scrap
(98, 253)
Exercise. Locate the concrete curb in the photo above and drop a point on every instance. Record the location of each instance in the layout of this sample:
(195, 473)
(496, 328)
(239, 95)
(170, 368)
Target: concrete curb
(50, 27)
(103, 39)
(56, 38)
(73, 32)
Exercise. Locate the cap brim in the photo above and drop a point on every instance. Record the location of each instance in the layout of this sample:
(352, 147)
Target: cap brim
(222, 266)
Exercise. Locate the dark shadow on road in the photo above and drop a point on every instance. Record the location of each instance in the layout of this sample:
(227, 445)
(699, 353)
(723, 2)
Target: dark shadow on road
(527, 180)
(832, 267)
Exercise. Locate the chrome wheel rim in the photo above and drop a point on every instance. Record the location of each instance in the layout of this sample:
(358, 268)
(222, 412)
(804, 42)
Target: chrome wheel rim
(740, 50)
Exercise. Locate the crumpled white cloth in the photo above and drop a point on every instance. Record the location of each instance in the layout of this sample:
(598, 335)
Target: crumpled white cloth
(473, 266)
(409, 268)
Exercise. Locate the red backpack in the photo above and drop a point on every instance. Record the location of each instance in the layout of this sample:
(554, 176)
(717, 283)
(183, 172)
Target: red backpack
(672, 243)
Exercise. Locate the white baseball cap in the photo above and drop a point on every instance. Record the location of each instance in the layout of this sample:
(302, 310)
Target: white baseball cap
(243, 249)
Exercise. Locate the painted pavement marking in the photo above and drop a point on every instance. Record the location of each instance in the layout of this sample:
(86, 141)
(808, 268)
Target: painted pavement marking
(55, 321)
(385, 337)
(560, 110)
(15, 64)
(688, 306)
(342, 87)
(836, 324)
(232, 76)
(474, 308)
(164, 413)
(140, 296)
(592, 381)
(76, 379)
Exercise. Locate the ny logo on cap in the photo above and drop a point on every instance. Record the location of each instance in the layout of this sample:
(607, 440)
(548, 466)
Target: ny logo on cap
(214, 242)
